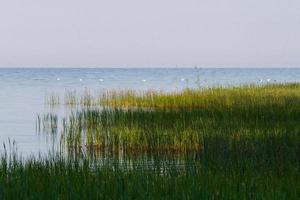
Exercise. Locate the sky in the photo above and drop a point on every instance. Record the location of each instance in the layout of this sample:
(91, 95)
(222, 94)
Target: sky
(153, 33)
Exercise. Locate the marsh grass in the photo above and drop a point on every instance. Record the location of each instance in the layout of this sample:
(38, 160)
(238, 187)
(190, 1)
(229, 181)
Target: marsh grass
(70, 98)
(48, 123)
(57, 178)
(217, 97)
(187, 121)
(52, 99)
(217, 143)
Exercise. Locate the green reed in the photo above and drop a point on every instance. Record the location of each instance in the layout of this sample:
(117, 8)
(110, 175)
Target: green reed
(217, 143)
(245, 96)
(230, 115)
(70, 98)
(188, 98)
(47, 123)
(52, 99)
(57, 178)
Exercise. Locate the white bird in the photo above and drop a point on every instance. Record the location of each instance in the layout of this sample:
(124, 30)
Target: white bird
(100, 79)
(182, 79)
(260, 80)
(268, 80)
(80, 80)
(144, 80)
(58, 79)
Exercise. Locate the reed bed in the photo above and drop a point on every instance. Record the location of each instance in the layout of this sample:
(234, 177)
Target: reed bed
(57, 178)
(216, 97)
(188, 121)
(47, 123)
(70, 98)
(233, 143)
(187, 99)
(52, 99)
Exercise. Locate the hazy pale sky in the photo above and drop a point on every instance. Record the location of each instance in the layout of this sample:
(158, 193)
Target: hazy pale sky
(153, 33)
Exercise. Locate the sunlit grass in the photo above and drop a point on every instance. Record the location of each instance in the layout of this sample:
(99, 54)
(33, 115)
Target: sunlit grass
(181, 122)
(233, 143)
(278, 94)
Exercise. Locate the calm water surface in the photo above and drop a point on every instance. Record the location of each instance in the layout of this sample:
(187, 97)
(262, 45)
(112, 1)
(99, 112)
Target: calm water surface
(23, 91)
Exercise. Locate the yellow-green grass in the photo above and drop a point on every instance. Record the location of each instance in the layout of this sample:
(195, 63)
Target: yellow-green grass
(252, 95)
(189, 98)
(233, 143)
(246, 118)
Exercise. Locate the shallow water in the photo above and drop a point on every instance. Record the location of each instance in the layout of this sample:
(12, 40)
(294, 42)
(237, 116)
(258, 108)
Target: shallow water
(23, 91)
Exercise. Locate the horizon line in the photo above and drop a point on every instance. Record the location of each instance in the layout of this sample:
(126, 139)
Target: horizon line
(150, 67)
